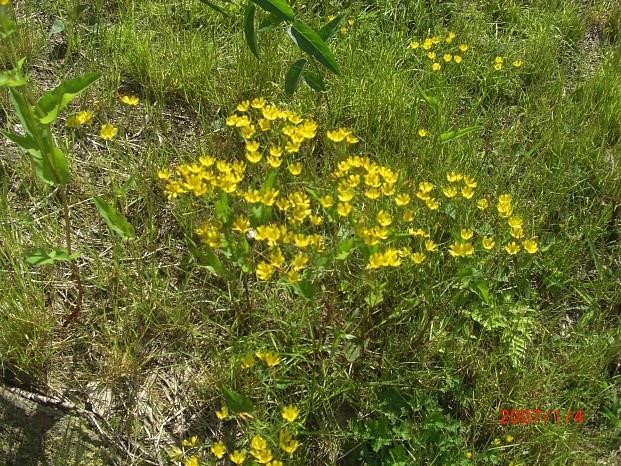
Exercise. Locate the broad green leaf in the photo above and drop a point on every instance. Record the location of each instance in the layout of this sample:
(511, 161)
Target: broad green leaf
(310, 42)
(292, 78)
(314, 81)
(55, 168)
(431, 100)
(7, 26)
(115, 220)
(346, 247)
(53, 101)
(450, 135)
(236, 402)
(279, 8)
(14, 77)
(249, 32)
(270, 181)
(57, 27)
(328, 29)
(206, 257)
(24, 113)
(43, 257)
(306, 289)
(26, 143)
(216, 7)
(269, 22)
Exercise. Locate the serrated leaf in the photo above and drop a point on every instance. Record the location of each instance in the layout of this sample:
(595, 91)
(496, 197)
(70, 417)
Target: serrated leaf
(42, 257)
(53, 101)
(114, 219)
(236, 402)
(279, 8)
(310, 42)
(314, 81)
(450, 135)
(249, 32)
(328, 29)
(292, 79)
(215, 7)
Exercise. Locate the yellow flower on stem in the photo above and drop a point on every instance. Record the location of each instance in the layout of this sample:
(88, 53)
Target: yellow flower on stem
(423, 133)
(383, 218)
(290, 447)
(436, 66)
(450, 191)
(482, 204)
(190, 442)
(130, 100)
(270, 358)
(530, 246)
(218, 449)
(343, 209)
(414, 44)
(238, 457)
(223, 413)
(108, 131)
(295, 168)
(402, 199)
(265, 271)
(466, 234)
(262, 456)
(418, 257)
(338, 135)
(461, 249)
(290, 413)
(512, 248)
(488, 242)
(517, 63)
(84, 117)
(463, 47)
(457, 59)
(447, 57)
(258, 443)
(192, 461)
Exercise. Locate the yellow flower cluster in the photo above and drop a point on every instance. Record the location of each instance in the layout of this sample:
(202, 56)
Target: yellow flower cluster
(449, 54)
(499, 63)
(79, 119)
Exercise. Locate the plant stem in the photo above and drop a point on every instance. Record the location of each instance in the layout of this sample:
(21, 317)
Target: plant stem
(74, 266)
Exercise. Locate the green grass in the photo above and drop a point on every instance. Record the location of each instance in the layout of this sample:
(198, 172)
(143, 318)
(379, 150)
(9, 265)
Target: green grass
(160, 332)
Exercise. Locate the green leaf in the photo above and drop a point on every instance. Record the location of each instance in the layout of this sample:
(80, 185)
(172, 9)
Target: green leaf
(279, 8)
(450, 135)
(346, 247)
(14, 77)
(55, 168)
(206, 257)
(328, 29)
(236, 402)
(42, 257)
(24, 113)
(222, 208)
(57, 27)
(306, 289)
(53, 101)
(249, 32)
(431, 100)
(115, 220)
(314, 81)
(7, 26)
(269, 22)
(292, 79)
(310, 42)
(215, 7)
(26, 143)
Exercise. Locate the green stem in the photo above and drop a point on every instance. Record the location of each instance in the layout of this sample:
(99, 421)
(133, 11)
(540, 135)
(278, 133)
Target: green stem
(73, 264)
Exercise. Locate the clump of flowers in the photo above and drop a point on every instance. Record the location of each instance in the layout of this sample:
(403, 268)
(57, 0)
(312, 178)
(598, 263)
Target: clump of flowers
(284, 227)
(440, 52)
(499, 63)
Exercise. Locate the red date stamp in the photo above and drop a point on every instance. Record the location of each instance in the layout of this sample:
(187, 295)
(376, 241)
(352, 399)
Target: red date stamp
(536, 416)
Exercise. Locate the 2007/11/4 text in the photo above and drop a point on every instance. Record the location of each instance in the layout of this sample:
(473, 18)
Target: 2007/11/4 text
(527, 416)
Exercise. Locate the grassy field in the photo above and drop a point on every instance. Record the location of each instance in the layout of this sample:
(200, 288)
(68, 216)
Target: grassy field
(393, 353)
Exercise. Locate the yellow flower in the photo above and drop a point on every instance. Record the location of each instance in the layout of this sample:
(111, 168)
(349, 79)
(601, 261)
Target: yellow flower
(258, 443)
(512, 248)
(509, 438)
(431, 55)
(450, 191)
(402, 199)
(238, 457)
(72, 121)
(466, 234)
(461, 249)
(517, 63)
(451, 35)
(505, 199)
(469, 455)
(290, 413)
(290, 447)
(498, 66)
(425, 187)
(423, 132)
(275, 151)
(408, 215)
(243, 106)
(258, 103)
(418, 257)
(432, 204)
(351, 139)
(192, 461)
(530, 246)
(499, 60)
(326, 201)
(262, 456)
(430, 245)
(515, 222)
(274, 162)
(383, 218)
(463, 47)
(247, 361)
(457, 59)
(453, 177)
(436, 66)
(350, 22)
(517, 232)
(130, 100)
(488, 242)
(294, 276)
(470, 182)
(241, 225)
(269, 357)
(190, 442)
(427, 44)
(343, 209)
(4, 2)
(254, 157)
(467, 192)
(295, 168)
(108, 131)
(338, 135)
(223, 413)
(414, 44)
(299, 261)
(85, 117)
(276, 463)
(482, 204)
(276, 257)
(265, 271)
(164, 175)
(435, 40)
(218, 449)
(447, 57)
(496, 441)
